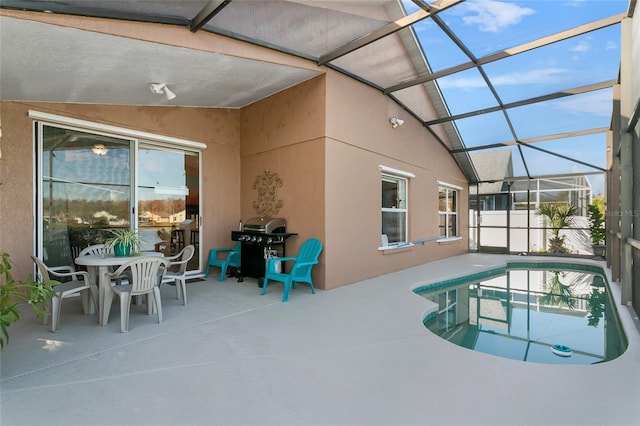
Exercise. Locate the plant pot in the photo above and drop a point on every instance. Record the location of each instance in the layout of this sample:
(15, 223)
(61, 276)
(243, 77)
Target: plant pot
(599, 251)
(121, 250)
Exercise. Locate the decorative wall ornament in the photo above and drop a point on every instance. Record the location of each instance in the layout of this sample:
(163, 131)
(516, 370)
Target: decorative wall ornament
(267, 185)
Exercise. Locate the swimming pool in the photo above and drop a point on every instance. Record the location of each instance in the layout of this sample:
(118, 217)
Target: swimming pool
(556, 313)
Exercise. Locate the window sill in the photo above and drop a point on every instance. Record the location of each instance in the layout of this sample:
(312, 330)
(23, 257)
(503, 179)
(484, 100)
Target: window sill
(448, 240)
(394, 247)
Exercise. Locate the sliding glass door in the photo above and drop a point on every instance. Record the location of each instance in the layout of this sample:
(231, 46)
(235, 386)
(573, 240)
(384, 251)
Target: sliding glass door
(90, 183)
(169, 199)
(85, 189)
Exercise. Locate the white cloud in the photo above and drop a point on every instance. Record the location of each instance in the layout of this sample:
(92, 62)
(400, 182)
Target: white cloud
(597, 103)
(611, 45)
(581, 47)
(493, 16)
(575, 3)
(543, 75)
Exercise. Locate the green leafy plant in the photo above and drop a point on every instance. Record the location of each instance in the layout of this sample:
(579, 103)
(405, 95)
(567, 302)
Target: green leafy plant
(13, 291)
(596, 225)
(126, 238)
(596, 305)
(559, 215)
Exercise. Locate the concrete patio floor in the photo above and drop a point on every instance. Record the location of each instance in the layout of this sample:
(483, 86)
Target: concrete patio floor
(356, 355)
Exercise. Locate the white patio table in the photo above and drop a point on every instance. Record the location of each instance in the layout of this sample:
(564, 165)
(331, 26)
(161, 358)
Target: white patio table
(97, 265)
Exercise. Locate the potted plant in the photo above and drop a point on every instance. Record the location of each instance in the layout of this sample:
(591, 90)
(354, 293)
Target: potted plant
(598, 232)
(559, 216)
(124, 242)
(13, 291)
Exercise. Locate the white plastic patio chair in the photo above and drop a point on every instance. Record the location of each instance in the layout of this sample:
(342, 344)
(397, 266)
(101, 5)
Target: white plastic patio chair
(178, 270)
(95, 249)
(146, 275)
(80, 283)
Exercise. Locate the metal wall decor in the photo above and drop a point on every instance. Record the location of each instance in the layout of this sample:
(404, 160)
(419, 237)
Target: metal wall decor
(267, 205)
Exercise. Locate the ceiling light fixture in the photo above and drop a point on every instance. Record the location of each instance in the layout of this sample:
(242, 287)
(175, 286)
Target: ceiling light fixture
(395, 122)
(100, 149)
(161, 89)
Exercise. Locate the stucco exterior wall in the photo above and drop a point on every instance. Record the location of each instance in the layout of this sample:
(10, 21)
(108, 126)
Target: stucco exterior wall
(359, 140)
(218, 129)
(285, 134)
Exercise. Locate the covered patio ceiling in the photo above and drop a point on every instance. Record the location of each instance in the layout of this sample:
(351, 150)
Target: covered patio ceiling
(481, 75)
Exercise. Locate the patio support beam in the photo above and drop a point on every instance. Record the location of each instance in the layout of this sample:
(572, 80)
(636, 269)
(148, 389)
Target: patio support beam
(207, 13)
(544, 41)
(551, 96)
(388, 29)
(564, 157)
(622, 96)
(633, 120)
(565, 135)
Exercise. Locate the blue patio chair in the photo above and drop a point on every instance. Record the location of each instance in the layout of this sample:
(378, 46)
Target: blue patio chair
(231, 259)
(300, 271)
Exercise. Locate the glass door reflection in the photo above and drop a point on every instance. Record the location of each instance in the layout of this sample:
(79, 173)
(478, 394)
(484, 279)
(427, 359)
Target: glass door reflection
(85, 189)
(169, 200)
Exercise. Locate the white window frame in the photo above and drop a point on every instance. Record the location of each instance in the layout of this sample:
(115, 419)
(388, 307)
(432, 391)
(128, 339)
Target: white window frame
(135, 137)
(449, 188)
(402, 179)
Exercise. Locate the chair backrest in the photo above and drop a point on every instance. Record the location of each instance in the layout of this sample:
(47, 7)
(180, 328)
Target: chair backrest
(43, 271)
(309, 252)
(234, 255)
(182, 259)
(146, 273)
(95, 249)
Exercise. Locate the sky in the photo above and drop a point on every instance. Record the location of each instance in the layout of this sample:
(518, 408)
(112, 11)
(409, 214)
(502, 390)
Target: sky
(490, 26)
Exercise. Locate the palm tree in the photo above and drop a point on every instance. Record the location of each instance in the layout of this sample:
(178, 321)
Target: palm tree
(557, 293)
(559, 216)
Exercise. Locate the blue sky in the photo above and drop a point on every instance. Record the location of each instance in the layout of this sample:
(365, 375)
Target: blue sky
(490, 26)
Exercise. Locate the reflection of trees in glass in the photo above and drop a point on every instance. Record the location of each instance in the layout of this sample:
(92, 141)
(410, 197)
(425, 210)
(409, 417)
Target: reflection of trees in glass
(557, 293)
(85, 210)
(596, 304)
(85, 235)
(163, 208)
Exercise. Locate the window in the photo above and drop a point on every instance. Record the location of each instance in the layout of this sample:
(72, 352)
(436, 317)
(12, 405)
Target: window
(90, 182)
(448, 211)
(394, 208)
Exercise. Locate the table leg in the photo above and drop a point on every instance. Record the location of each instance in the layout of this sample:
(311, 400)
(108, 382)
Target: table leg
(93, 275)
(106, 295)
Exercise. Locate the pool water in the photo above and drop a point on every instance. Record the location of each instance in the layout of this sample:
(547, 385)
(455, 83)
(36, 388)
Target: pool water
(528, 312)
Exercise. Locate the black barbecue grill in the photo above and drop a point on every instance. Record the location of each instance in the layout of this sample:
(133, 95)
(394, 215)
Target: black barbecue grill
(261, 238)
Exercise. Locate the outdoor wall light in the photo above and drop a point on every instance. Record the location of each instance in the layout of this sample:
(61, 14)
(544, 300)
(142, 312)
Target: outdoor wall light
(100, 149)
(395, 122)
(160, 89)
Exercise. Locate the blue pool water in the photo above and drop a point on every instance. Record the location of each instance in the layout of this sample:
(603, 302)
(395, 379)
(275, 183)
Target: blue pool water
(555, 313)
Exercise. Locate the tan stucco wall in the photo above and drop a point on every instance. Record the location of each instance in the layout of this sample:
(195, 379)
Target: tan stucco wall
(359, 140)
(218, 129)
(285, 134)
(326, 139)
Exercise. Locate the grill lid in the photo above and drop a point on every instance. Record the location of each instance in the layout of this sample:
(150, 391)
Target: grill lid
(265, 225)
